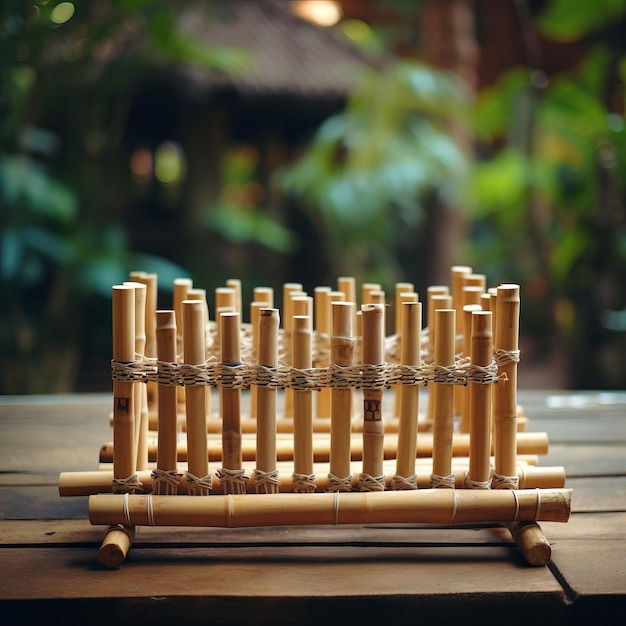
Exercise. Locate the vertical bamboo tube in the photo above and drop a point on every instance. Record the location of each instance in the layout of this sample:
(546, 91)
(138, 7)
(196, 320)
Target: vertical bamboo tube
(151, 282)
(372, 478)
(458, 274)
(200, 295)
(481, 354)
(123, 300)
(468, 309)
(476, 280)
(303, 479)
(435, 301)
(264, 294)
(347, 286)
(167, 408)
(443, 422)
(366, 290)
(342, 354)
(235, 284)
(194, 343)
(408, 295)
(322, 331)
(140, 391)
(505, 409)
(230, 401)
(255, 308)
(289, 289)
(492, 292)
(265, 473)
(410, 354)
(181, 287)
(225, 300)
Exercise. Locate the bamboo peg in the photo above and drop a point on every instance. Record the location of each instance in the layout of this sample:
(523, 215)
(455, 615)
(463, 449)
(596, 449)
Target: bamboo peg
(115, 545)
(410, 354)
(255, 308)
(443, 422)
(265, 473)
(366, 290)
(289, 290)
(468, 309)
(265, 295)
(435, 301)
(194, 343)
(235, 284)
(123, 300)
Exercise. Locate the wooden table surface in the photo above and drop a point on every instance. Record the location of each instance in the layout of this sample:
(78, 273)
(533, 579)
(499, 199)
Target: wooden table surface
(287, 575)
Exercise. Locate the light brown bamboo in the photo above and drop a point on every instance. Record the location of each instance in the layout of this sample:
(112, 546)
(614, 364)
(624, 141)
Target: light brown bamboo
(434, 506)
(123, 304)
(322, 330)
(269, 322)
(235, 284)
(347, 286)
(115, 545)
(443, 420)
(230, 398)
(194, 343)
(528, 443)
(181, 287)
(458, 274)
(151, 283)
(264, 294)
(373, 320)
(342, 353)
(532, 542)
(166, 398)
(289, 290)
(255, 308)
(72, 484)
(435, 301)
(505, 409)
(480, 399)
(302, 400)
(405, 296)
(140, 401)
(225, 299)
(200, 295)
(411, 325)
(476, 280)
(468, 309)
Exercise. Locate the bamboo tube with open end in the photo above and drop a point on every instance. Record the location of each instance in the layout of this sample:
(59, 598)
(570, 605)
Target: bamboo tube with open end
(410, 354)
(266, 475)
(166, 477)
(255, 308)
(289, 289)
(505, 401)
(433, 506)
(140, 395)
(119, 537)
(481, 354)
(231, 472)
(151, 283)
(468, 309)
(322, 331)
(436, 300)
(443, 421)
(303, 477)
(342, 354)
(372, 477)
(123, 297)
(235, 284)
(194, 343)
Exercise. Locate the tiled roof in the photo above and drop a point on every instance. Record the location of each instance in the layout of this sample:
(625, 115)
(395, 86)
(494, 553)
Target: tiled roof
(286, 54)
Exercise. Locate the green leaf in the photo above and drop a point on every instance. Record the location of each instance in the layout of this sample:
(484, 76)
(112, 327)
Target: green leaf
(569, 20)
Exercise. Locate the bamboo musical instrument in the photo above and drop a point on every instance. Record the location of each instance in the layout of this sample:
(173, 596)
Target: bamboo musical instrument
(322, 328)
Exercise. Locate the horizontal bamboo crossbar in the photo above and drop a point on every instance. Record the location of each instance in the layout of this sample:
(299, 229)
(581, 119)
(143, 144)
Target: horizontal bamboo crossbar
(434, 506)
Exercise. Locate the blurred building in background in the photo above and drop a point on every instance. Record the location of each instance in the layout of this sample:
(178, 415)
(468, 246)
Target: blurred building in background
(274, 141)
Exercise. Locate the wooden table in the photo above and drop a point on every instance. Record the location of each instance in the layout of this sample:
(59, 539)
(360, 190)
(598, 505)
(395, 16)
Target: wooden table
(48, 549)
